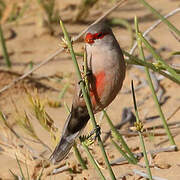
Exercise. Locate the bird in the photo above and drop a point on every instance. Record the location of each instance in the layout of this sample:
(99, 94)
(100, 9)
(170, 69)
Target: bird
(106, 67)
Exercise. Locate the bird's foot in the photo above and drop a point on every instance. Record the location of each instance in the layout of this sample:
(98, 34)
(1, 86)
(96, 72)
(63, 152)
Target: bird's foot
(87, 74)
(91, 137)
(96, 131)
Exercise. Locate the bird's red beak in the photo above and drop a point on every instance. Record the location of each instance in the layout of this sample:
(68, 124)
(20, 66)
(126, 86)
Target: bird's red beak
(89, 38)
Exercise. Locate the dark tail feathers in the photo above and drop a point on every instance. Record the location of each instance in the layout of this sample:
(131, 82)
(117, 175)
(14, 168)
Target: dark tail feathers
(75, 123)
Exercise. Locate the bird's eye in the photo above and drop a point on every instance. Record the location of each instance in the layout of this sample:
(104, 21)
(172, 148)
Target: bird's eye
(99, 35)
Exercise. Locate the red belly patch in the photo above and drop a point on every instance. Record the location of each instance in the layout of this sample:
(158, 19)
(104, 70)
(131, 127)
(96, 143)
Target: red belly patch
(97, 88)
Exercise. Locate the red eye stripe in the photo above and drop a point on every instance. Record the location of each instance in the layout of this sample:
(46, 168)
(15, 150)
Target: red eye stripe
(91, 37)
(99, 35)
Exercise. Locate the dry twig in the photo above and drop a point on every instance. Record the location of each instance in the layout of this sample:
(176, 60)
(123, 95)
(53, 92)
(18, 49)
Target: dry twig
(142, 174)
(140, 155)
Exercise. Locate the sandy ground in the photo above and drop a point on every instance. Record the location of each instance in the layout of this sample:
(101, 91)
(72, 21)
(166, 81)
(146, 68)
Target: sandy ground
(33, 43)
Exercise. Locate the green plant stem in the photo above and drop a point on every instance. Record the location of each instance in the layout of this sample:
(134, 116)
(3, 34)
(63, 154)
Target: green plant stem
(27, 171)
(145, 155)
(79, 157)
(79, 54)
(22, 174)
(63, 91)
(122, 152)
(14, 175)
(136, 61)
(152, 87)
(106, 158)
(41, 173)
(76, 151)
(87, 99)
(86, 70)
(93, 161)
(140, 135)
(4, 49)
(158, 58)
(66, 107)
(120, 138)
(155, 12)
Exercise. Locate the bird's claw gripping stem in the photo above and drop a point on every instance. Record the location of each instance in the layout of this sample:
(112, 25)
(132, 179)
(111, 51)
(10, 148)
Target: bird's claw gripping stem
(89, 139)
(88, 73)
(96, 131)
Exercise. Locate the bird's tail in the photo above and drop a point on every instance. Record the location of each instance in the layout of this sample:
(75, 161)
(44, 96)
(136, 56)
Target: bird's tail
(72, 129)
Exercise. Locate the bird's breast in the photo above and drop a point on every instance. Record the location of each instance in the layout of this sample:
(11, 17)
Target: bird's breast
(107, 65)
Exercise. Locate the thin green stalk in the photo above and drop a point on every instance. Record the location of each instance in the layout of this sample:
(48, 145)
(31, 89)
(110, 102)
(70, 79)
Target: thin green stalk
(66, 107)
(41, 173)
(4, 49)
(139, 129)
(63, 91)
(155, 12)
(76, 150)
(87, 99)
(93, 161)
(122, 152)
(106, 158)
(152, 87)
(154, 66)
(79, 54)
(23, 10)
(136, 61)
(14, 175)
(158, 58)
(120, 138)
(22, 174)
(86, 70)
(27, 171)
(79, 157)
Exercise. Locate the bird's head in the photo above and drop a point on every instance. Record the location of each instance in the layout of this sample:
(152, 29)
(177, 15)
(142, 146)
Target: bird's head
(97, 33)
